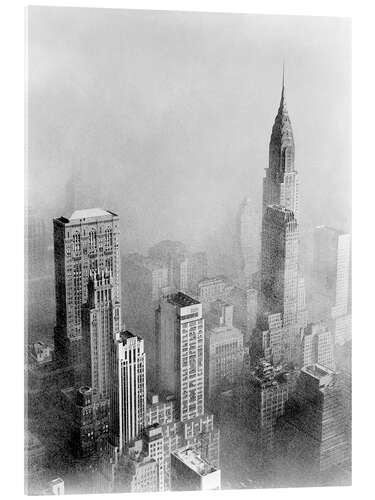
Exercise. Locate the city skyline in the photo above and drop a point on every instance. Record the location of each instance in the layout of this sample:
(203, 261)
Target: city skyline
(175, 366)
(194, 83)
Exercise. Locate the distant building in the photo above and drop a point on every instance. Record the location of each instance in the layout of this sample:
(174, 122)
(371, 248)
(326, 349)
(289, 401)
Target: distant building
(245, 302)
(331, 298)
(87, 241)
(144, 282)
(223, 353)
(210, 290)
(128, 401)
(88, 417)
(248, 240)
(41, 353)
(172, 254)
(312, 431)
(56, 487)
(100, 318)
(35, 452)
(190, 472)
(317, 346)
(197, 270)
(180, 352)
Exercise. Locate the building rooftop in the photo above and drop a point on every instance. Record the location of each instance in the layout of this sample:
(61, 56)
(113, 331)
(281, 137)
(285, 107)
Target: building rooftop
(214, 279)
(87, 213)
(190, 458)
(125, 335)
(318, 371)
(329, 229)
(182, 300)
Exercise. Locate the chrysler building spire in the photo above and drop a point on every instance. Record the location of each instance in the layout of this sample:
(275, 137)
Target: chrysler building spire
(280, 185)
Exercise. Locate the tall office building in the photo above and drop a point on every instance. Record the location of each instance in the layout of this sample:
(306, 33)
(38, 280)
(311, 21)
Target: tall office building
(279, 265)
(331, 281)
(282, 296)
(197, 269)
(87, 241)
(317, 346)
(266, 394)
(87, 419)
(172, 254)
(128, 402)
(223, 353)
(144, 281)
(248, 242)
(280, 185)
(312, 432)
(280, 282)
(180, 352)
(100, 326)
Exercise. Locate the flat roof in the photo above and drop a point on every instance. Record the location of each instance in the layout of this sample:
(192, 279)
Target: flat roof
(124, 335)
(182, 300)
(318, 371)
(88, 212)
(190, 458)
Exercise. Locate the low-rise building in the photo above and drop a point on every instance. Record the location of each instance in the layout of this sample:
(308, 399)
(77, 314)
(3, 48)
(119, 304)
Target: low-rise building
(191, 472)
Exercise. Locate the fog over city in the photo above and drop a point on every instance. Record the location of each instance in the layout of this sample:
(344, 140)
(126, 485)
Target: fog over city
(188, 251)
(165, 118)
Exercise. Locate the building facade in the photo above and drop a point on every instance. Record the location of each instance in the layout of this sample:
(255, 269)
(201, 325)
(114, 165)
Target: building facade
(317, 346)
(312, 432)
(100, 327)
(189, 471)
(223, 354)
(248, 241)
(89, 419)
(180, 352)
(87, 241)
(128, 401)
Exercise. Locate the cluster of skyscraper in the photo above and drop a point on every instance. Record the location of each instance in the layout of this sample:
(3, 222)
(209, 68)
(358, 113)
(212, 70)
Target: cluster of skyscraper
(141, 392)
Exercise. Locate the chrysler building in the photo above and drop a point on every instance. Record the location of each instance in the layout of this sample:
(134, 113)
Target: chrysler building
(280, 186)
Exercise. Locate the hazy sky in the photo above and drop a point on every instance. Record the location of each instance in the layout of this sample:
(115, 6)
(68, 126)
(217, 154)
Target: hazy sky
(166, 117)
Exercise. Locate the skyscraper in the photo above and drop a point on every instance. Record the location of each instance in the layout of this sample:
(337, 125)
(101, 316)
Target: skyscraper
(248, 229)
(267, 392)
(312, 432)
(223, 353)
(87, 241)
(100, 326)
(317, 346)
(280, 293)
(282, 297)
(144, 281)
(180, 352)
(280, 186)
(331, 274)
(128, 402)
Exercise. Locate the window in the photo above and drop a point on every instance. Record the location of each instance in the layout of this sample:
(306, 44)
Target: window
(108, 238)
(76, 242)
(92, 241)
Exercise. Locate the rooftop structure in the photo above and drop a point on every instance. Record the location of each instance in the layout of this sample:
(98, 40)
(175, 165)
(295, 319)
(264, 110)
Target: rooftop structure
(182, 300)
(191, 458)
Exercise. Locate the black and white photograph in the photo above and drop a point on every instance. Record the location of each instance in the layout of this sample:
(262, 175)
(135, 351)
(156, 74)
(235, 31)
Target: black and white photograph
(188, 251)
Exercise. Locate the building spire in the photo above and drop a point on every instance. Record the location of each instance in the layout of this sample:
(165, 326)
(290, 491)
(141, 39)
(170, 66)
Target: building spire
(283, 100)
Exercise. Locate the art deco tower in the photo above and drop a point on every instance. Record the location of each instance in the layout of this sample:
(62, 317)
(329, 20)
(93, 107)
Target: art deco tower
(282, 311)
(280, 186)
